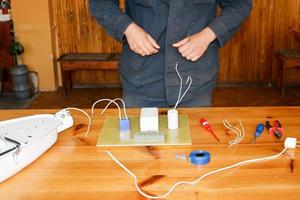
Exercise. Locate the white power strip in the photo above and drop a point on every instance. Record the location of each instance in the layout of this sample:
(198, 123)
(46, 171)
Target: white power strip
(24, 139)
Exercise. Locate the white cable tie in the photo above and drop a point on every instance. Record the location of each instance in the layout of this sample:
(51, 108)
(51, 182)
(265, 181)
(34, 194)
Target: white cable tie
(189, 182)
(87, 115)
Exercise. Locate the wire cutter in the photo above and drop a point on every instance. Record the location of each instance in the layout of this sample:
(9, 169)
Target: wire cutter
(276, 129)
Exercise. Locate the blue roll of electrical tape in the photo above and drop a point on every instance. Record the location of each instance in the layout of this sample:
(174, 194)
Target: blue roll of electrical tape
(199, 157)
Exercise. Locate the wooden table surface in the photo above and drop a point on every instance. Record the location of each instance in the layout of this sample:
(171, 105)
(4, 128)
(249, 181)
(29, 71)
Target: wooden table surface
(76, 169)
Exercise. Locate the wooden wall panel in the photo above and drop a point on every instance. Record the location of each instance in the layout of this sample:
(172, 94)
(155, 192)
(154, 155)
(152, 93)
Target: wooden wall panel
(287, 18)
(247, 59)
(78, 32)
(248, 56)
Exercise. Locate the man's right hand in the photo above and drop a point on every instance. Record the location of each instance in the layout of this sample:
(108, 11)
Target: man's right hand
(140, 41)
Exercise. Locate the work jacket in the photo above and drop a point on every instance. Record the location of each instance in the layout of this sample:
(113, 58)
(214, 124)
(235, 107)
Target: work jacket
(169, 21)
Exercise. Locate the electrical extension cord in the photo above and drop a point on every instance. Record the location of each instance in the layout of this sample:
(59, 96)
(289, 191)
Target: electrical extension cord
(289, 143)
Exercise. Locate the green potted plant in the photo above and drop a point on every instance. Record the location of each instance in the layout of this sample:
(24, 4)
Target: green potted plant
(21, 84)
(16, 49)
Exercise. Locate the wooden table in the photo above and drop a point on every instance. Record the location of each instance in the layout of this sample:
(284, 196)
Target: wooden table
(75, 169)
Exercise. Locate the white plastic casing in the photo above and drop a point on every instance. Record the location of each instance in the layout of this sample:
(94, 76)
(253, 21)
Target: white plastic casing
(65, 118)
(149, 119)
(172, 119)
(35, 133)
(290, 143)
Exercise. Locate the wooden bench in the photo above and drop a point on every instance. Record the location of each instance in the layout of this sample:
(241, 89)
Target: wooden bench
(288, 59)
(85, 61)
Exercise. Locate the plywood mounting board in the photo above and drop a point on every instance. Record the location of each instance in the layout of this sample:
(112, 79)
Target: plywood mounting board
(111, 136)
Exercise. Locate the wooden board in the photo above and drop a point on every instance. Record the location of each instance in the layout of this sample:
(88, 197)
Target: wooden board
(111, 136)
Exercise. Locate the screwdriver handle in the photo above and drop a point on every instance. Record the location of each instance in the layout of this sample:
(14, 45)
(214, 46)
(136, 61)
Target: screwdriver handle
(206, 125)
(259, 129)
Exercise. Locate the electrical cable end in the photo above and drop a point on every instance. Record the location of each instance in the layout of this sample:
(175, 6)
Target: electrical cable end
(290, 143)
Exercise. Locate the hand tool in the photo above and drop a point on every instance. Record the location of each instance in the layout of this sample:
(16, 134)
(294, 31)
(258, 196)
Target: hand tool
(208, 128)
(259, 129)
(275, 130)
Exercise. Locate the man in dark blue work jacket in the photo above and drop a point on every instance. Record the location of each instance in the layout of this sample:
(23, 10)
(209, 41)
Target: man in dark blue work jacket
(156, 34)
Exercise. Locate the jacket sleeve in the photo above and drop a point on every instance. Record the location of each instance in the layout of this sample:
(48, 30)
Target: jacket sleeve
(109, 15)
(233, 13)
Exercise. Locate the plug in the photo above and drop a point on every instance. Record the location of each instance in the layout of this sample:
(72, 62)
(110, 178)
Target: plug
(290, 143)
(65, 118)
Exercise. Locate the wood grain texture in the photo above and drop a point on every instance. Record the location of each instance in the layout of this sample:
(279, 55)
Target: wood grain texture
(75, 169)
(247, 58)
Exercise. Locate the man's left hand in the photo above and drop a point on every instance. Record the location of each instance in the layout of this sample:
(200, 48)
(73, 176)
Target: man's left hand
(193, 47)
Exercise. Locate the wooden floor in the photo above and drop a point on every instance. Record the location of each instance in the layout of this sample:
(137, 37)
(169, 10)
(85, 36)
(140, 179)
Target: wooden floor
(222, 97)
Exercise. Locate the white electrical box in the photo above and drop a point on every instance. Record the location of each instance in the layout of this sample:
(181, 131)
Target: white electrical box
(149, 119)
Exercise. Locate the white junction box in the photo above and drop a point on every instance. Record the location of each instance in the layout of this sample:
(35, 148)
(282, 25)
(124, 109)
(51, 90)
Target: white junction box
(149, 119)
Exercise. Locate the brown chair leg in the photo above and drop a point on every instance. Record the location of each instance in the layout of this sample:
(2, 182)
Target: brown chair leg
(67, 81)
(283, 81)
(278, 73)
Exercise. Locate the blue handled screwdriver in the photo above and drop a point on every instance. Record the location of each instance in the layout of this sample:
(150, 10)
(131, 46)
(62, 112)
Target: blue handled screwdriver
(259, 129)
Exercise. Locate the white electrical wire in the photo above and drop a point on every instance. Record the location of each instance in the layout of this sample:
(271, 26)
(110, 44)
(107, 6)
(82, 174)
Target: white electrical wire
(114, 100)
(87, 115)
(189, 79)
(240, 133)
(189, 182)
(111, 101)
(243, 131)
(180, 87)
(234, 129)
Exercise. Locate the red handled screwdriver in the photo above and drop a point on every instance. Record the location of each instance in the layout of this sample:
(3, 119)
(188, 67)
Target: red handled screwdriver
(207, 127)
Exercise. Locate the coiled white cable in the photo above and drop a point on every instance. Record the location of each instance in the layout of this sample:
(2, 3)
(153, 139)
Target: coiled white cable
(189, 182)
(240, 133)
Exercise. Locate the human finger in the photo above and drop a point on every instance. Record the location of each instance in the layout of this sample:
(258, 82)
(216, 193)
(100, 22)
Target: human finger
(150, 48)
(181, 42)
(152, 42)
